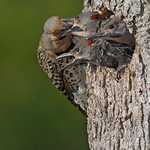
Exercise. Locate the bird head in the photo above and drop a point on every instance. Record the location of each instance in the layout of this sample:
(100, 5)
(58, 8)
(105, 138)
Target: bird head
(86, 18)
(57, 25)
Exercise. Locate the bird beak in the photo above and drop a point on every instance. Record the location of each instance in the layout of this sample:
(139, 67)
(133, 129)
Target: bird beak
(64, 55)
(77, 31)
(69, 28)
(68, 23)
(84, 34)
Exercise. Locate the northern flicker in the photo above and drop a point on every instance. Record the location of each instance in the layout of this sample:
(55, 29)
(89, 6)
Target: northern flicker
(116, 43)
(56, 40)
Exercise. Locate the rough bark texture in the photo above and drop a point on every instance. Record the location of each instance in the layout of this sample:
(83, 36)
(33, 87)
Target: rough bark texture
(119, 112)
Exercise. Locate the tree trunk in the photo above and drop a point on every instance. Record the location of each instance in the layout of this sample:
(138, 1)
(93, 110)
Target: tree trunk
(119, 111)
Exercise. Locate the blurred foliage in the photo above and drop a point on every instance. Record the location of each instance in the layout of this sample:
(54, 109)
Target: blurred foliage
(33, 114)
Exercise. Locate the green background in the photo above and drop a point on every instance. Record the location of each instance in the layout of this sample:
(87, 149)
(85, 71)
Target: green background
(33, 114)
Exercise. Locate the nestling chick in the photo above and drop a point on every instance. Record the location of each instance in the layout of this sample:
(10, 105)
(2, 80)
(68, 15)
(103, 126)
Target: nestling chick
(112, 46)
(90, 20)
(119, 43)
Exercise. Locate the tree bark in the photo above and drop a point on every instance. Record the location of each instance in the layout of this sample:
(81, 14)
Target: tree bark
(119, 111)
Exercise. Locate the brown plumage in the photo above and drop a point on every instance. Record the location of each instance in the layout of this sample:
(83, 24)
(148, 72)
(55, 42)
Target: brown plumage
(54, 43)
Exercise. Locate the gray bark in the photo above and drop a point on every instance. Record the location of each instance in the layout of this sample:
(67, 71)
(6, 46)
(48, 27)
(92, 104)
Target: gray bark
(119, 112)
